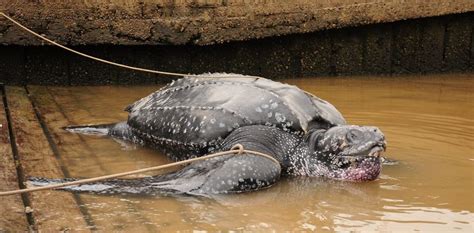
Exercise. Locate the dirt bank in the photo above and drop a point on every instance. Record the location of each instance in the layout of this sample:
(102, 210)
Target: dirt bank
(202, 22)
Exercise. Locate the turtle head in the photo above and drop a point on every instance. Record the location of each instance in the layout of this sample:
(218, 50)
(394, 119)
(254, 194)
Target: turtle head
(348, 152)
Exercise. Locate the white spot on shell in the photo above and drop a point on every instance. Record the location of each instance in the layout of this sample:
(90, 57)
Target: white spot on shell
(280, 117)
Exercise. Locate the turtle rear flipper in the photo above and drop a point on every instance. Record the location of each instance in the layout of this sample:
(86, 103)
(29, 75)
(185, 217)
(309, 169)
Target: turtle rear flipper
(119, 130)
(100, 129)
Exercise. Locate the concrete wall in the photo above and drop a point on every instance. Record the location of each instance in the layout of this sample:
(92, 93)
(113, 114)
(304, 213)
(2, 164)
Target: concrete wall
(419, 46)
(202, 22)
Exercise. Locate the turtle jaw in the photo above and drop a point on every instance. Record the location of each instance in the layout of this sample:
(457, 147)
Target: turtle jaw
(363, 166)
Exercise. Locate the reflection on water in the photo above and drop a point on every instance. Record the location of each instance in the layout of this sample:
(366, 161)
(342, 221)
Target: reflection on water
(429, 124)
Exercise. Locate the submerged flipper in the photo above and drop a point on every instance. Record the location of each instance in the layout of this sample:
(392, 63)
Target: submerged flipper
(113, 186)
(219, 175)
(102, 129)
(119, 130)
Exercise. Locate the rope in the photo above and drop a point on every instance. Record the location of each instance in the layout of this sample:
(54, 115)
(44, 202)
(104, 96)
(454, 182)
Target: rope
(237, 149)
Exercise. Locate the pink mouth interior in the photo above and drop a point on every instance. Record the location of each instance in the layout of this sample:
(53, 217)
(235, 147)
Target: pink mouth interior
(367, 170)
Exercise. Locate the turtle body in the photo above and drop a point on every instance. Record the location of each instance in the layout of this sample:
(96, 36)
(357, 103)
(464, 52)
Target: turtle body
(193, 115)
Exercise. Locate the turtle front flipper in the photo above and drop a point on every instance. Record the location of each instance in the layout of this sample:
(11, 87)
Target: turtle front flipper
(219, 175)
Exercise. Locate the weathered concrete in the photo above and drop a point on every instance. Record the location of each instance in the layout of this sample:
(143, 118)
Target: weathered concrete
(429, 45)
(34, 157)
(203, 22)
(13, 218)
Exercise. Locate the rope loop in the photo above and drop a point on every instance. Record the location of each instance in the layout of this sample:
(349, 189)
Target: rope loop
(238, 147)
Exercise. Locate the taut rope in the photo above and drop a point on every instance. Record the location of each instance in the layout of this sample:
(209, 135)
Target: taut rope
(96, 58)
(237, 149)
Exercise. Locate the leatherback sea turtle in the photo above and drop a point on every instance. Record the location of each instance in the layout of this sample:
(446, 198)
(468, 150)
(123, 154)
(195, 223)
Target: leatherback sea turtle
(195, 116)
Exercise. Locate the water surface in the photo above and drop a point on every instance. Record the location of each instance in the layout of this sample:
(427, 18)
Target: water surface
(428, 122)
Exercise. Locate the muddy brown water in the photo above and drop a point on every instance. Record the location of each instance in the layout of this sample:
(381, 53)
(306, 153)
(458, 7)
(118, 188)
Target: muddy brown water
(428, 122)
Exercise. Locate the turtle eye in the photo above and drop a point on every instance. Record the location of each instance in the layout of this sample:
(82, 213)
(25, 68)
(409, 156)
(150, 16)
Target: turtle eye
(354, 135)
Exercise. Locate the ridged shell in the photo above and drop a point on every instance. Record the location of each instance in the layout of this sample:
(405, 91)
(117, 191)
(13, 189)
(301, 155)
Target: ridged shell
(202, 110)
